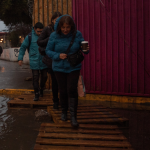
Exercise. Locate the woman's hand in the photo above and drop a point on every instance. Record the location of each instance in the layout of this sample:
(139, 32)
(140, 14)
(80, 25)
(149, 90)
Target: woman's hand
(86, 49)
(20, 62)
(63, 56)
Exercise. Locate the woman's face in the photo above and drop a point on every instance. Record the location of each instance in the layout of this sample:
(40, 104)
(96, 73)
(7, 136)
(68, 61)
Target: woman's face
(65, 29)
(54, 20)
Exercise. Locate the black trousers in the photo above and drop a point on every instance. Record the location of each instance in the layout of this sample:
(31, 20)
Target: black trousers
(54, 86)
(43, 79)
(67, 83)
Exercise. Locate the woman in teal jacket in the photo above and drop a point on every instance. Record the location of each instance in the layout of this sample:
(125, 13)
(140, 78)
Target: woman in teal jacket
(35, 59)
(67, 76)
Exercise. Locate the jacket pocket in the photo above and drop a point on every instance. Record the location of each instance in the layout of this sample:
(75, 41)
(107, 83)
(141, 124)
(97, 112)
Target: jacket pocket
(32, 55)
(58, 63)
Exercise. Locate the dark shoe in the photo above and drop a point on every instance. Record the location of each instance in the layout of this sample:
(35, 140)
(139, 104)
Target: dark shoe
(64, 116)
(55, 106)
(41, 93)
(36, 98)
(64, 107)
(74, 122)
(73, 112)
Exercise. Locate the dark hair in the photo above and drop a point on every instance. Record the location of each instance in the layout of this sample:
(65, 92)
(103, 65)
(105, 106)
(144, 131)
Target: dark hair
(55, 15)
(38, 25)
(68, 20)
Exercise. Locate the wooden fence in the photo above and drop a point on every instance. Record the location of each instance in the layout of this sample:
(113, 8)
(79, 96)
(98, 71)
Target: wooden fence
(44, 9)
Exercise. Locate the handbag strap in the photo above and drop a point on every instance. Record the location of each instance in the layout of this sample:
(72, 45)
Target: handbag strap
(71, 43)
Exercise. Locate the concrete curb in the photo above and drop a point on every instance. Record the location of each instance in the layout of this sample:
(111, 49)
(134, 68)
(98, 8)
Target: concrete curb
(115, 98)
(103, 98)
(15, 91)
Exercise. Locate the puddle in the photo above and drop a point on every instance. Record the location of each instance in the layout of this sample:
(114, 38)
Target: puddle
(19, 127)
(5, 118)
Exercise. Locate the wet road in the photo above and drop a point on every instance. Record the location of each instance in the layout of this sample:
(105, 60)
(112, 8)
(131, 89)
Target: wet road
(18, 127)
(12, 76)
(4, 117)
(138, 132)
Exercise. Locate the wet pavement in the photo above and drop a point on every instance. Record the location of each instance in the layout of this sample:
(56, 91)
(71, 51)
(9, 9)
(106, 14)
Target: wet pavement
(12, 76)
(138, 131)
(18, 127)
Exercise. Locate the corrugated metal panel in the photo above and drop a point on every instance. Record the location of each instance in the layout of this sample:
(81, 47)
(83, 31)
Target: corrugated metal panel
(119, 35)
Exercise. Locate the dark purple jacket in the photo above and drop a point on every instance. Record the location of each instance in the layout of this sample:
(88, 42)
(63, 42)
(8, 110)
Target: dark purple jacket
(42, 43)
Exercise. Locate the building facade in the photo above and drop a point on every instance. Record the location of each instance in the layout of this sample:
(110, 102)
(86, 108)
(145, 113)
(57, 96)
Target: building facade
(4, 40)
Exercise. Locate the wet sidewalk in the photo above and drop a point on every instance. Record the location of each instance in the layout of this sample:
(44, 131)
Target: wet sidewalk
(19, 127)
(12, 76)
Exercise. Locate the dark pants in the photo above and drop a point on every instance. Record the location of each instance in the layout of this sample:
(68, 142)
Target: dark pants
(67, 83)
(43, 78)
(54, 86)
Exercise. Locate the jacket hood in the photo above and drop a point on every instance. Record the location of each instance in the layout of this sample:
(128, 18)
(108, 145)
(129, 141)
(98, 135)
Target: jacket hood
(57, 21)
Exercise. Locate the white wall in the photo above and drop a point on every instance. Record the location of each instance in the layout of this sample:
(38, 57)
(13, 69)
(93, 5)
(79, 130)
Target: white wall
(11, 54)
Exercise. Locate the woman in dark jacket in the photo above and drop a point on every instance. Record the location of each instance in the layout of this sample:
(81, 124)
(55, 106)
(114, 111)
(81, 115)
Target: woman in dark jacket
(42, 43)
(67, 75)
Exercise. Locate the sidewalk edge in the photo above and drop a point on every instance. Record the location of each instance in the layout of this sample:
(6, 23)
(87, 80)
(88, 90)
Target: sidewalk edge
(99, 97)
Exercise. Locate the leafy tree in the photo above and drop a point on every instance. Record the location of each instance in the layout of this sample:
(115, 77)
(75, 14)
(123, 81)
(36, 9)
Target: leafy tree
(14, 39)
(16, 31)
(21, 29)
(14, 12)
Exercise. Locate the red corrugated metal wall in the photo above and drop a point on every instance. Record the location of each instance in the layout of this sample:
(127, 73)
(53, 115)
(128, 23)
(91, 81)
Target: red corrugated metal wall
(119, 35)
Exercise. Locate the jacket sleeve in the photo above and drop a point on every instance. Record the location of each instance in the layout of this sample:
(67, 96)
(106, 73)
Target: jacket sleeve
(23, 48)
(80, 37)
(43, 38)
(50, 48)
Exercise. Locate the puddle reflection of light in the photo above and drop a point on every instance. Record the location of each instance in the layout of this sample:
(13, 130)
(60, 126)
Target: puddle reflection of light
(2, 69)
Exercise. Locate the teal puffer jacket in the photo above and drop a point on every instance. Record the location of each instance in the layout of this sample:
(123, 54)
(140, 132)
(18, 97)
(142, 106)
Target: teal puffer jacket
(58, 44)
(34, 56)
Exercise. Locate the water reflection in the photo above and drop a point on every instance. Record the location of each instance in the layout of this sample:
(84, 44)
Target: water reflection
(2, 69)
(5, 119)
